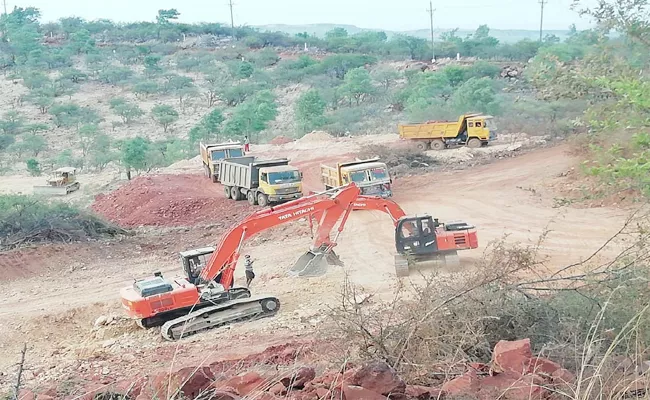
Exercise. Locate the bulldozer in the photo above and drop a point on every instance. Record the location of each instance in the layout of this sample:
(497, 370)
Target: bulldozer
(62, 182)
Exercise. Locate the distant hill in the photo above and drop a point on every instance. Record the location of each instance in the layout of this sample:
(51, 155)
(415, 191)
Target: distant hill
(504, 35)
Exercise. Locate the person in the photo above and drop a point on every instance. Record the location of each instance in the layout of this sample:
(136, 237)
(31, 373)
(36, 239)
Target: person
(247, 144)
(250, 275)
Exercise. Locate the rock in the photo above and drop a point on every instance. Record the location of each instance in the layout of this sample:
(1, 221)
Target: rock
(278, 389)
(245, 384)
(299, 378)
(101, 320)
(380, 378)
(423, 392)
(106, 371)
(108, 343)
(542, 366)
(511, 386)
(467, 384)
(359, 393)
(224, 395)
(25, 394)
(188, 381)
(129, 358)
(511, 356)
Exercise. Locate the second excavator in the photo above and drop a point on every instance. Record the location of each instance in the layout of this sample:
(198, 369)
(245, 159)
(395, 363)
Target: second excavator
(205, 297)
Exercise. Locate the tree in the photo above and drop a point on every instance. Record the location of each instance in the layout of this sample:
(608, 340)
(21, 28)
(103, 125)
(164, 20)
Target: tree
(36, 127)
(81, 42)
(476, 95)
(101, 152)
(245, 70)
(74, 75)
(164, 115)
(212, 122)
(43, 99)
(357, 85)
(165, 16)
(310, 110)
(34, 144)
(385, 76)
(151, 65)
(126, 110)
(625, 16)
(12, 123)
(71, 114)
(146, 88)
(33, 167)
(417, 48)
(134, 154)
(115, 75)
(252, 115)
(87, 134)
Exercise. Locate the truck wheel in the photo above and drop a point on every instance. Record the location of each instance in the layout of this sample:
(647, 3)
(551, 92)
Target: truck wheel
(474, 143)
(252, 200)
(235, 194)
(262, 199)
(226, 189)
(422, 146)
(437, 144)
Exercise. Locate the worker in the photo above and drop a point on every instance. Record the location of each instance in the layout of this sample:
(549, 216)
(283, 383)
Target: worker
(250, 275)
(247, 144)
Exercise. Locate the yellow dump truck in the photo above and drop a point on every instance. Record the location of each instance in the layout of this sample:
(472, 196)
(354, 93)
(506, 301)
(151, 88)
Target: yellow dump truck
(472, 130)
(260, 182)
(212, 154)
(371, 176)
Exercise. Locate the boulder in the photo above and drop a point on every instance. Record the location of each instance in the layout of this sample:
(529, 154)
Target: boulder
(511, 356)
(246, 383)
(359, 393)
(380, 378)
(511, 386)
(189, 382)
(542, 366)
(423, 392)
(467, 384)
(299, 378)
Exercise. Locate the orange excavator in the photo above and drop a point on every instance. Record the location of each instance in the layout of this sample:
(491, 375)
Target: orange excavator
(205, 297)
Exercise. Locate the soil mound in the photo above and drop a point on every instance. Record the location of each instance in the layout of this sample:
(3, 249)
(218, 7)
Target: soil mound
(278, 140)
(316, 136)
(169, 200)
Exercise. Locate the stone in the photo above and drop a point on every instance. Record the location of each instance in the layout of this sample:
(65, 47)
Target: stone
(511, 356)
(423, 392)
(246, 383)
(378, 377)
(358, 393)
(467, 384)
(25, 394)
(511, 386)
(542, 366)
(299, 378)
(101, 320)
(278, 389)
(188, 382)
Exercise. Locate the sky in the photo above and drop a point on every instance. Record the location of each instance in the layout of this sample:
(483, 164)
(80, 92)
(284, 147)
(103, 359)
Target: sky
(394, 15)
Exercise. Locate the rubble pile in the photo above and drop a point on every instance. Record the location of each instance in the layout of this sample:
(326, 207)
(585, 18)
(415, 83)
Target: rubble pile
(513, 374)
(511, 72)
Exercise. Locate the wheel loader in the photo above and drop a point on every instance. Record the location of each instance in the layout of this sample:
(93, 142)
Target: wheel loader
(62, 182)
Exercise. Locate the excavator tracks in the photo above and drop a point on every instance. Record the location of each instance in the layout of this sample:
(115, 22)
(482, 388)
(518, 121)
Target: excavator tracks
(245, 309)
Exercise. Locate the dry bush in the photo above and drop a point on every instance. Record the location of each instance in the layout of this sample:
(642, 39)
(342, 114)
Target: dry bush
(399, 159)
(582, 315)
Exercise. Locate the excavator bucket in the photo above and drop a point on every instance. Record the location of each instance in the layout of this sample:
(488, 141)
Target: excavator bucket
(312, 264)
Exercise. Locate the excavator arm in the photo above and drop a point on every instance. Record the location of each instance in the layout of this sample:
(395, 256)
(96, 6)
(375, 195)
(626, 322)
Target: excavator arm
(327, 208)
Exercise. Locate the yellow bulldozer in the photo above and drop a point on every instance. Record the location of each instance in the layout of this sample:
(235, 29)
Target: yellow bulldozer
(62, 182)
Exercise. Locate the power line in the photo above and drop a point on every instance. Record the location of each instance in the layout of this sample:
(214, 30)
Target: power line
(232, 20)
(433, 51)
(541, 18)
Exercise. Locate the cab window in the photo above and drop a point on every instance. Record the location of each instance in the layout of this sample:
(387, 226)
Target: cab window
(264, 177)
(478, 124)
(408, 229)
(426, 227)
(471, 124)
(235, 152)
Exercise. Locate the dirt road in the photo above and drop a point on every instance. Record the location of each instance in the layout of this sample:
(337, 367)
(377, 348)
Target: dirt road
(507, 197)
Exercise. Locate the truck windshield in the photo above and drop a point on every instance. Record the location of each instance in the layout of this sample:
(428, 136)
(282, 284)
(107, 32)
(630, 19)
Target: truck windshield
(359, 176)
(378, 174)
(284, 177)
(218, 155)
(236, 153)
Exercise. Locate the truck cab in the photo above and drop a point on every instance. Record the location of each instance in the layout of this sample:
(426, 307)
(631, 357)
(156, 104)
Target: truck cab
(482, 127)
(281, 183)
(212, 154)
(371, 176)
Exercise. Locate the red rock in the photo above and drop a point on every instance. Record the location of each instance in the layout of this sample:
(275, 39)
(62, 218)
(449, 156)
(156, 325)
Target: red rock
(247, 383)
(511, 356)
(358, 393)
(225, 395)
(298, 379)
(423, 392)
(330, 393)
(513, 387)
(189, 382)
(278, 389)
(465, 384)
(303, 396)
(543, 366)
(380, 378)
(25, 394)
(322, 393)
(479, 367)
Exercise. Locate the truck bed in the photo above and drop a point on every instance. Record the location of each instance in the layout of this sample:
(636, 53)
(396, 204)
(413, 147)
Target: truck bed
(430, 130)
(244, 171)
(330, 176)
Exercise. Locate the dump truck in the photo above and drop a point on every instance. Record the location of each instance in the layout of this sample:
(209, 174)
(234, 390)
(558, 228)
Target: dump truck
(472, 130)
(62, 182)
(260, 181)
(371, 176)
(212, 154)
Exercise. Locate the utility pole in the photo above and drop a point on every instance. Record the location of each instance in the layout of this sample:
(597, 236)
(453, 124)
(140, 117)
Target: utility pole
(433, 52)
(4, 3)
(541, 19)
(232, 20)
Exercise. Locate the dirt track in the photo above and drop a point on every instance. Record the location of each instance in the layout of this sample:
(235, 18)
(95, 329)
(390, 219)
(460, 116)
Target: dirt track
(507, 197)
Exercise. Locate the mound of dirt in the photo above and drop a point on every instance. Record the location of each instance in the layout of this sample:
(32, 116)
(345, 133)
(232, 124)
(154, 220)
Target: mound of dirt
(316, 136)
(278, 140)
(169, 200)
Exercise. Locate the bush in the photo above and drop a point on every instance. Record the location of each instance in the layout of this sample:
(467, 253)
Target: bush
(115, 75)
(26, 220)
(33, 167)
(164, 115)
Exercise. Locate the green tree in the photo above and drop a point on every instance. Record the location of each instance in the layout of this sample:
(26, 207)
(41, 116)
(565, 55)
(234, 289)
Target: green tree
(34, 144)
(476, 95)
(87, 134)
(385, 76)
(134, 154)
(245, 70)
(211, 123)
(165, 17)
(357, 85)
(252, 115)
(73, 75)
(310, 110)
(115, 75)
(151, 65)
(72, 115)
(101, 152)
(33, 167)
(146, 88)
(42, 98)
(36, 127)
(81, 42)
(126, 110)
(12, 123)
(416, 48)
(164, 115)
(6, 141)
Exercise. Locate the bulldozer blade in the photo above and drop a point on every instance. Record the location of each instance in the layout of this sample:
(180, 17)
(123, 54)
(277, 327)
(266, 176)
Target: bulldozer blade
(310, 264)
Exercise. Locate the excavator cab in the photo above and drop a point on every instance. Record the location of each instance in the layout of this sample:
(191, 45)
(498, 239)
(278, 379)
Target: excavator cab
(194, 261)
(416, 235)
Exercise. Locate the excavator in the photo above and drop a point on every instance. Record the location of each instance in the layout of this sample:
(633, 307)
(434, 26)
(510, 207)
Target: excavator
(205, 297)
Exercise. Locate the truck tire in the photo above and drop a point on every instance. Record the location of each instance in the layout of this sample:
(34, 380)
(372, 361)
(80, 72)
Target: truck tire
(252, 199)
(235, 193)
(227, 192)
(262, 199)
(422, 145)
(474, 143)
(437, 144)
